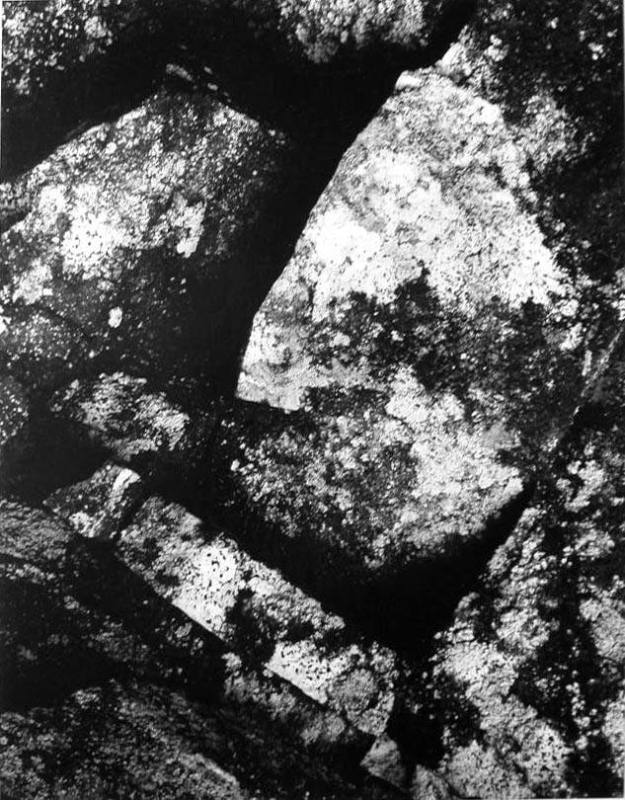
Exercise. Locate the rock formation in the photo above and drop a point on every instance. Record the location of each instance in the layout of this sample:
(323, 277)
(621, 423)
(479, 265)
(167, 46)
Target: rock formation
(311, 378)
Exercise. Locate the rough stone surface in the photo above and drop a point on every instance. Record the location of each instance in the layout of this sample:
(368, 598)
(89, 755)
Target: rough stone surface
(169, 180)
(102, 681)
(249, 607)
(115, 727)
(143, 429)
(134, 231)
(430, 438)
(527, 684)
(98, 508)
(111, 55)
(425, 347)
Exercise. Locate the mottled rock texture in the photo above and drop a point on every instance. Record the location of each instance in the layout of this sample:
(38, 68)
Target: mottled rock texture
(251, 608)
(425, 351)
(70, 64)
(527, 684)
(400, 553)
(109, 690)
(178, 151)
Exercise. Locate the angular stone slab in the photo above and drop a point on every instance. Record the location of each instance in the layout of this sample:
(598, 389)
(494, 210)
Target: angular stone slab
(527, 683)
(76, 623)
(250, 607)
(121, 258)
(418, 360)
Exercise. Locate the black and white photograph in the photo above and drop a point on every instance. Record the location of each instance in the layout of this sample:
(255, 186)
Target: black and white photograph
(312, 400)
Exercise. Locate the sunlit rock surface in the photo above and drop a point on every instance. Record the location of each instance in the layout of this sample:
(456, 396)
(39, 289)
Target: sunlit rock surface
(158, 183)
(114, 690)
(533, 663)
(424, 347)
(250, 607)
(395, 567)
(134, 233)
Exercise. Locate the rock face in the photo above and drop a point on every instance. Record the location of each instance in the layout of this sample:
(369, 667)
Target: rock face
(533, 662)
(114, 691)
(133, 235)
(288, 56)
(181, 179)
(425, 350)
(392, 566)
(246, 605)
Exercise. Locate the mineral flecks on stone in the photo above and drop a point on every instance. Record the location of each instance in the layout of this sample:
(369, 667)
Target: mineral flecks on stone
(163, 204)
(125, 259)
(277, 56)
(105, 680)
(536, 654)
(139, 427)
(248, 606)
(423, 352)
(446, 316)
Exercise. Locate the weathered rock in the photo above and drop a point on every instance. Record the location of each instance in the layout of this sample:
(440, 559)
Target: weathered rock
(425, 353)
(116, 742)
(555, 74)
(191, 145)
(250, 607)
(527, 684)
(143, 429)
(125, 259)
(260, 615)
(13, 411)
(385, 760)
(89, 650)
(146, 741)
(422, 361)
(275, 56)
(99, 507)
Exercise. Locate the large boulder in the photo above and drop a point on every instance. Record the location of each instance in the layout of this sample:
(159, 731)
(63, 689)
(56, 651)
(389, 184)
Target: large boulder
(108, 690)
(525, 688)
(415, 365)
(162, 162)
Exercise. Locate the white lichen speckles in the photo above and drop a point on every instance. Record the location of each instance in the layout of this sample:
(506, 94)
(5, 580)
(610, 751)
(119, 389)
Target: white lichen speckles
(343, 245)
(95, 28)
(13, 409)
(115, 317)
(34, 284)
(52, 200)
(213, 578)
(451, 457)
(421, 294)
(91, 237)
(208, 578)
(187, 219)
(487, 675)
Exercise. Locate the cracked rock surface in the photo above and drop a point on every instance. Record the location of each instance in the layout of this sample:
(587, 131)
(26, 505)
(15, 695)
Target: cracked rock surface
(311, 387)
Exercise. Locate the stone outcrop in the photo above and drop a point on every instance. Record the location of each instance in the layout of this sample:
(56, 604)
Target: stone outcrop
(424, 352)
(392, 565)
(532, 665)
(248, 606)
(112, 689)
(171, 180)
(280, 58)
